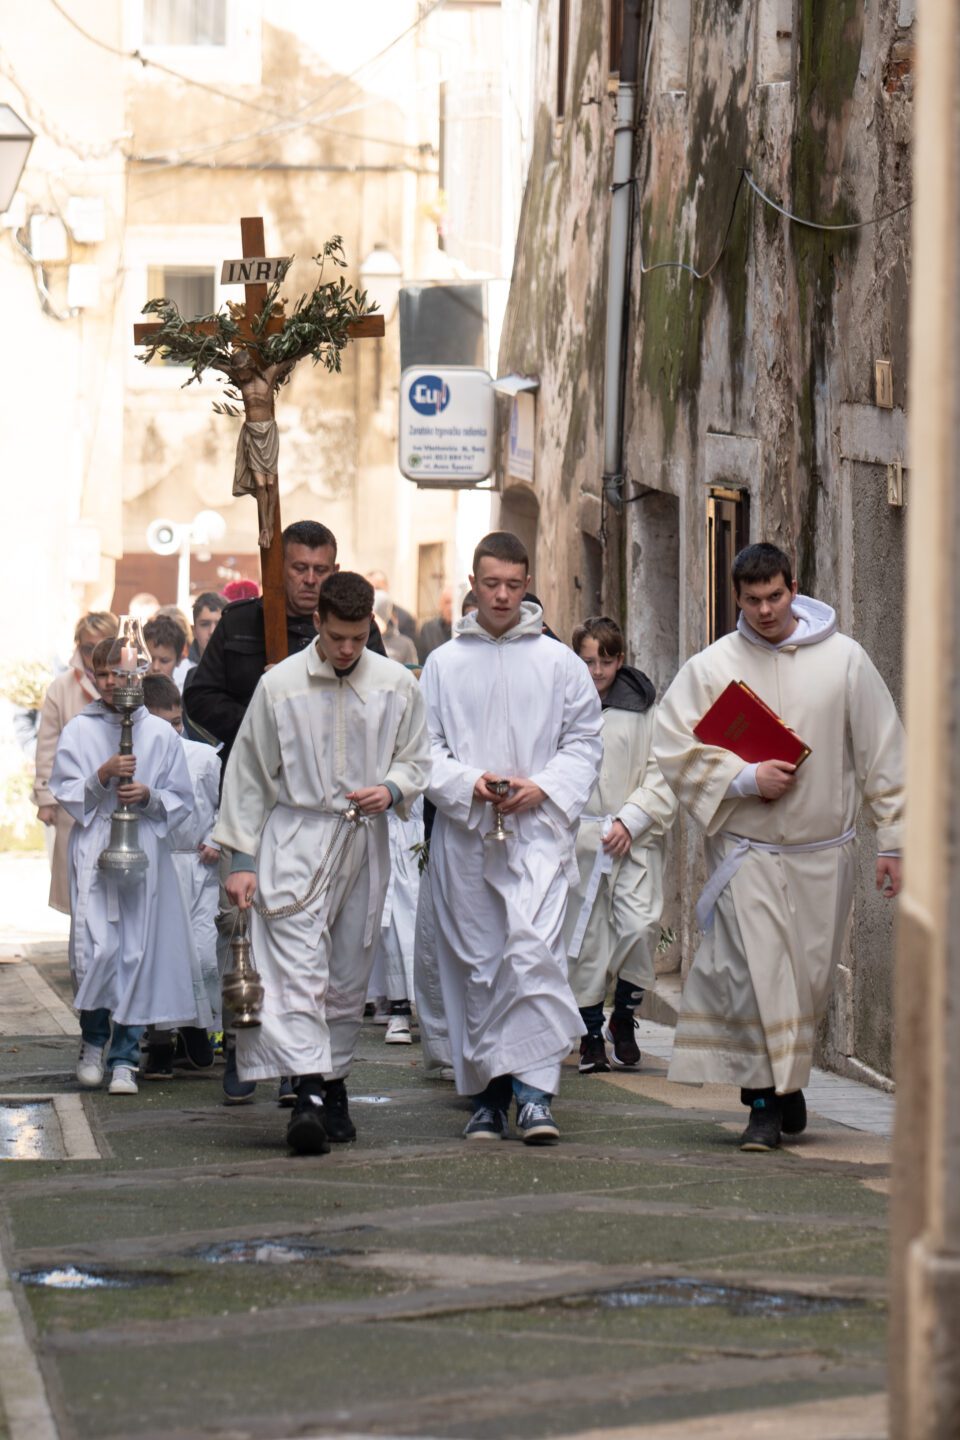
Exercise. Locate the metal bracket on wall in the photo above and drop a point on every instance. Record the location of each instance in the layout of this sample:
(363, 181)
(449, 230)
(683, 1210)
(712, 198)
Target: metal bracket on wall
(895, 484)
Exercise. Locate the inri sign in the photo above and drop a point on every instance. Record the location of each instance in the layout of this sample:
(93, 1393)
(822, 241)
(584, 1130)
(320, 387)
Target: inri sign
(447, 424)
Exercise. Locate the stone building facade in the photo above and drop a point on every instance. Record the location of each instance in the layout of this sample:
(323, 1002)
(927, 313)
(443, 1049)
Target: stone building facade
(764, 401)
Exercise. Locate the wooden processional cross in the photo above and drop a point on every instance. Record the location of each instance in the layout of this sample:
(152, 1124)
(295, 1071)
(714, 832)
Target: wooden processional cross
(257, 384)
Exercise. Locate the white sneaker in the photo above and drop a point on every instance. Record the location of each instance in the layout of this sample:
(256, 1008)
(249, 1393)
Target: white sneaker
(123, 1081)
(398, 1031)
(90, 1065)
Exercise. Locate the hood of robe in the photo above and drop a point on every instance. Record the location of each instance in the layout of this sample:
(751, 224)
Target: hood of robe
(98, 710)
(815, 622)
(530, 623)
(631, 690)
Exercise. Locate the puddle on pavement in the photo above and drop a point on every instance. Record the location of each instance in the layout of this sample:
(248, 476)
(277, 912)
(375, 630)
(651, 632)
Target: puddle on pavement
(263, 1252)
(69, 1277)
(696, 1294)
(30, 1131)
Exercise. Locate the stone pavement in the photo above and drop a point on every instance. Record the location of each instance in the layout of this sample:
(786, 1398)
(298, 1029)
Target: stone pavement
(644, 1278)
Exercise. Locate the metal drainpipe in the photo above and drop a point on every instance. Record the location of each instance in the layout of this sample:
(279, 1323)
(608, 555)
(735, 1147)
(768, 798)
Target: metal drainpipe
(621, 209)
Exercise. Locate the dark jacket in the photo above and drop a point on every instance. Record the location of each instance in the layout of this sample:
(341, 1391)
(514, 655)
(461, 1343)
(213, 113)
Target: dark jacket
(631, 690)
(432, 635)
(216, 694)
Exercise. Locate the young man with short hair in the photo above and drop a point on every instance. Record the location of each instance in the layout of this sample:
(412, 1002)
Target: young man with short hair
(505, 703)
(330, 728)
(128, 943)
(780, 841)
(166, 641)
(207, 609)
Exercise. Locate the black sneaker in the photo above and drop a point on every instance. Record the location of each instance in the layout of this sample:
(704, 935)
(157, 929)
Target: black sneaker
(336, 1116)
(763, 1127)
(287, 1093)
(619, 1031)
(306, 1133)
(235, 1090)
(536, 1125)
(793, 1113)
(195, 1050)
(593, 1055)
(156, 1062)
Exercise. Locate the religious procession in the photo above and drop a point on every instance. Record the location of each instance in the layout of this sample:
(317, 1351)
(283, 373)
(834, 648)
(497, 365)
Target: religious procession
(476, 940)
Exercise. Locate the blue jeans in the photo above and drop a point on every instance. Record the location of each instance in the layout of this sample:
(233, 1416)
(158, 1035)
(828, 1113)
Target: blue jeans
(498, 1092)
(124, 1043)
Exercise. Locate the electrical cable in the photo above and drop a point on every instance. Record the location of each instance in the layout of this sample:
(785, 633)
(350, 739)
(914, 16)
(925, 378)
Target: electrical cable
(746, 176)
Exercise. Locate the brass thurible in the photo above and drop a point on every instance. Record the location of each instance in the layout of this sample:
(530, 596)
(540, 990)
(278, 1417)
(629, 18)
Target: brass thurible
(242, 988)
(500, 788)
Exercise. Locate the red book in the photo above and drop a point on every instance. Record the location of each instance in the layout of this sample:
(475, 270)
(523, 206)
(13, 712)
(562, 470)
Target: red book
(740, 721)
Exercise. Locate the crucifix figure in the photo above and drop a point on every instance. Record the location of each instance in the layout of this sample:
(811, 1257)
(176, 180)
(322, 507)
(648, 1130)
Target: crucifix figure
(255, 346)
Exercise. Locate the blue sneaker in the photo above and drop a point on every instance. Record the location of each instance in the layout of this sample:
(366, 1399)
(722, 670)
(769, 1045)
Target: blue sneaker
(235, 1090)
(536, 1125)
(486, 1124)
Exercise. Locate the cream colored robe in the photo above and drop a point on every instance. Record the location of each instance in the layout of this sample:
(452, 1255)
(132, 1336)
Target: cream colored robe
(68, 694)
(623, 931)
(308, 738)
(763, 972)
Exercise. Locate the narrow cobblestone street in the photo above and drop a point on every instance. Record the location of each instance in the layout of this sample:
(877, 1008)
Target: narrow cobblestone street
(644, 1277)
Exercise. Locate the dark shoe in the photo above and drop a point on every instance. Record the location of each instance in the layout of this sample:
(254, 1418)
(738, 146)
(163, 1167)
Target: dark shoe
(619, 1031)
(535, 1124)
(793, 1113)
(369, 1010)
(763, 1127)
(306, 1133)
(235, 1090)
(486, 1124)
(336, 1116)
(593, 1055)
(196, 1048)
(156, 1062)
(287, 1094)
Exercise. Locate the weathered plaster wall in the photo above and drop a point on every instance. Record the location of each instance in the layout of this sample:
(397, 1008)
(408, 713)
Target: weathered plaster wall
(750, 378)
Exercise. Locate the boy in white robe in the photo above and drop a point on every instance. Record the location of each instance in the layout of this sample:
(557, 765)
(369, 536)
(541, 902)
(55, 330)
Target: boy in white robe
(398, 922)
(780, 841)
(332, 728)
(612, 927)
(195, 861)
(505, 702)
(128, 944)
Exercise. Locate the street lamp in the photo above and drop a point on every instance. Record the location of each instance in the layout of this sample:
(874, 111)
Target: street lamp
(16, 137)
(381, 275)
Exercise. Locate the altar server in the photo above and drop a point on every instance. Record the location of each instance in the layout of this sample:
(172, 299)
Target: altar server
(505, 702)
(332, 727)
(780, 841)
(612, 927)
(128, 944)
(195, 862)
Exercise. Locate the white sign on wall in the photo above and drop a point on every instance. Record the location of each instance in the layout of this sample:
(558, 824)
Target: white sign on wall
(520, 441)
(447, 424)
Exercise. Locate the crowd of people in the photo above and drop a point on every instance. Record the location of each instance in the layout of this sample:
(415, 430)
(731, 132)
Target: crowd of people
(475, 849)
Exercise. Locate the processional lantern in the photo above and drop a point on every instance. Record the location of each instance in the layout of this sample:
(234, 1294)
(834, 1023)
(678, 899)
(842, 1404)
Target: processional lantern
(129, 659)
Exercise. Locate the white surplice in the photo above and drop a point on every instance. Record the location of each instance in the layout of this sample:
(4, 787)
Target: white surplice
(199, 883)
(781, 873)
(623, 898)
(398, 922)
(129, 945)
(309, 737)
(521, 704)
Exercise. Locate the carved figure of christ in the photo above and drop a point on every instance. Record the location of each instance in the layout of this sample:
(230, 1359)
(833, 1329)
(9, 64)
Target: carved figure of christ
(257, 383)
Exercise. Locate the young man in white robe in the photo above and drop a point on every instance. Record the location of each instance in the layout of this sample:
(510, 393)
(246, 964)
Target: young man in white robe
(612, 928)
(398, 922)
(129, 944)
(780, 841)
(507, 703)
(331, 728)
(195, 861)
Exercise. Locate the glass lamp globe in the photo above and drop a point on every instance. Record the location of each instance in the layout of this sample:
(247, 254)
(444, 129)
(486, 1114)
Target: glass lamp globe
(129, 655)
